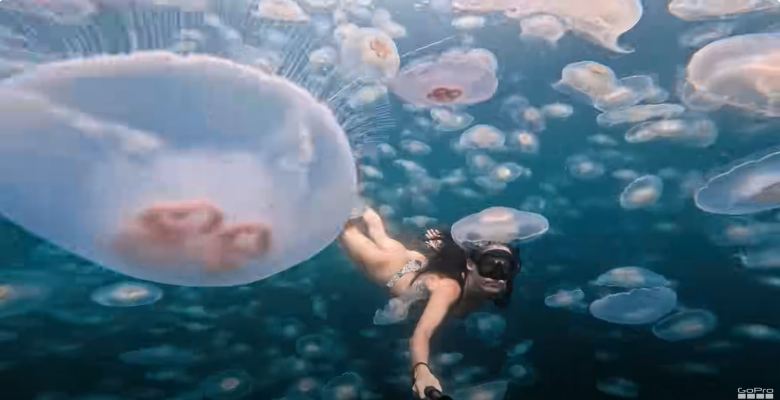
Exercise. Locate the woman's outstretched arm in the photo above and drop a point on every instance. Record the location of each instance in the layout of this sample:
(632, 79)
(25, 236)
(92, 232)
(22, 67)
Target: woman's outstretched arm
(444, 294)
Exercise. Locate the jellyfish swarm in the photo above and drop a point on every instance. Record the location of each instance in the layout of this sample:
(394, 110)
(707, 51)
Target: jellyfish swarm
(498, 225)
(642, 192)
(127, 294)
(688, 324)
(456, 77)
(696, 10)
(189, 170)
(739, 71)
(599, 21)
(750, 187)
(635, 307)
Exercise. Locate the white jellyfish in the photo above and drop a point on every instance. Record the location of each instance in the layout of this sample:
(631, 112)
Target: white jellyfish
(323, 57)
(281, 10)
(643, 192)
(598, 85)
(600, 21)
(488, 328)
(21, 292)
(583, 167)
(482, 137)
(635, 307)
(127, 294)
(525, 141)
(558, 110)
(619, 387)
(631, 277)
(367, 54)
(739, 71)
(757, 332)
(467, 23)
(700, 132)
(509, 172)
(206, 200)
(684, 325)
(544, 27)
(564, 298)
(319, 346)
(500, 225)
(696, 10)
(446, 120)
(640, 113)
(367, 95)
(456, 77)
(415, 147)
(749, 187)
(230, 384)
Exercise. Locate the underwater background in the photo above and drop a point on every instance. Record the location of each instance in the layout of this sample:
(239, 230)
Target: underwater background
(307, 330)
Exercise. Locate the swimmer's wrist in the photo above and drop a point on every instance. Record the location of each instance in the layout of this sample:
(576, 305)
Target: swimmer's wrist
(415, 366)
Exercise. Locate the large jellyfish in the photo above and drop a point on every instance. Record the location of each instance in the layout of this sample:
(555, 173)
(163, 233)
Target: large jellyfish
(739, 71)
(641, 113)
(643, 192)
(22, 291)
(695, 132)
(631, 277)
(750, 187)
(456, 77)
(598, 85)
(127, 294)
(635, 307)
(498, 224)
(207, 182)
(600, 21)
(367, 54)
(696, 10)
(688, 324)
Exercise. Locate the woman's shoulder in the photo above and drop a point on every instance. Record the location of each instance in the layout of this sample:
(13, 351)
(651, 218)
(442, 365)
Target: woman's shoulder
(436, 282)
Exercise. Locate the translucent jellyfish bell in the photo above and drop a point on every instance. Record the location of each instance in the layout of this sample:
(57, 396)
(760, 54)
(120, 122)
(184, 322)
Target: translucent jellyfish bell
(631, 277)
(180, 187)
(564, 298)
(367, 54)
(449, 121)
(688, 324)
(499, 225)
(543, 26)
(127, 294)
(346, 386)
(694, 132)
(231, 384)
(599, 21)
(640, 113)
(740, 71)
(21, 292)
(642, 192)
(495, 390)
(456, 77)
(482, 137)
(635, 307)
(696, 10)
(281, 10)
(750, 187)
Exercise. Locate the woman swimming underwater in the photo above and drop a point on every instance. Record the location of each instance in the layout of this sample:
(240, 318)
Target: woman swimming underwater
(454, 281)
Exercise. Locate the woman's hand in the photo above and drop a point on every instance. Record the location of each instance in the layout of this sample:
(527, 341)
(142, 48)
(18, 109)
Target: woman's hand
(423, 378)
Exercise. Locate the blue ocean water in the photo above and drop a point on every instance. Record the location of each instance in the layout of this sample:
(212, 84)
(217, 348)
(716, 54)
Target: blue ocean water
(289, 335)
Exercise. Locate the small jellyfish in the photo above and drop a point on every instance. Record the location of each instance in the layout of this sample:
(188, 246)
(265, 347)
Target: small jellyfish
(697, 10)
(368, 54)
(749, 187)
(323, 57)
(448, 359)
(558, 110)
(490, 184)
(509, 172)
(127, 294)
(456, 77)
(757, 332)
(564, 298)
(543, 27)
(700, 132)
(739, 71)
(688, 324)
(635, 307)
(619, 387)
(366, 96)
(159, 355)
(488, 328)
(21, 292)
(495, 390)
(631, 277)
(346, 386)
(419, 221)
(525, 141)
(382, 19)
(467, 23)
(643, 192)
(601, 22)
(281, 10)
(227, 385)
(482, 137)
(448, 121)
(533, 119)
(583, 167)
(318, 347)
(601, 139)
(184, 215)
(640, 113)
(499, 225)
(520, 348)
(415, 147)
(598, 85)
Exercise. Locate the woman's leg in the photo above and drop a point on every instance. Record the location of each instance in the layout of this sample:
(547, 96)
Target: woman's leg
(378, 233)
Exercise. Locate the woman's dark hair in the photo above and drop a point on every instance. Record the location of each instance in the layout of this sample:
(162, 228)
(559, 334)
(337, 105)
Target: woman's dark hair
(450, 261)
